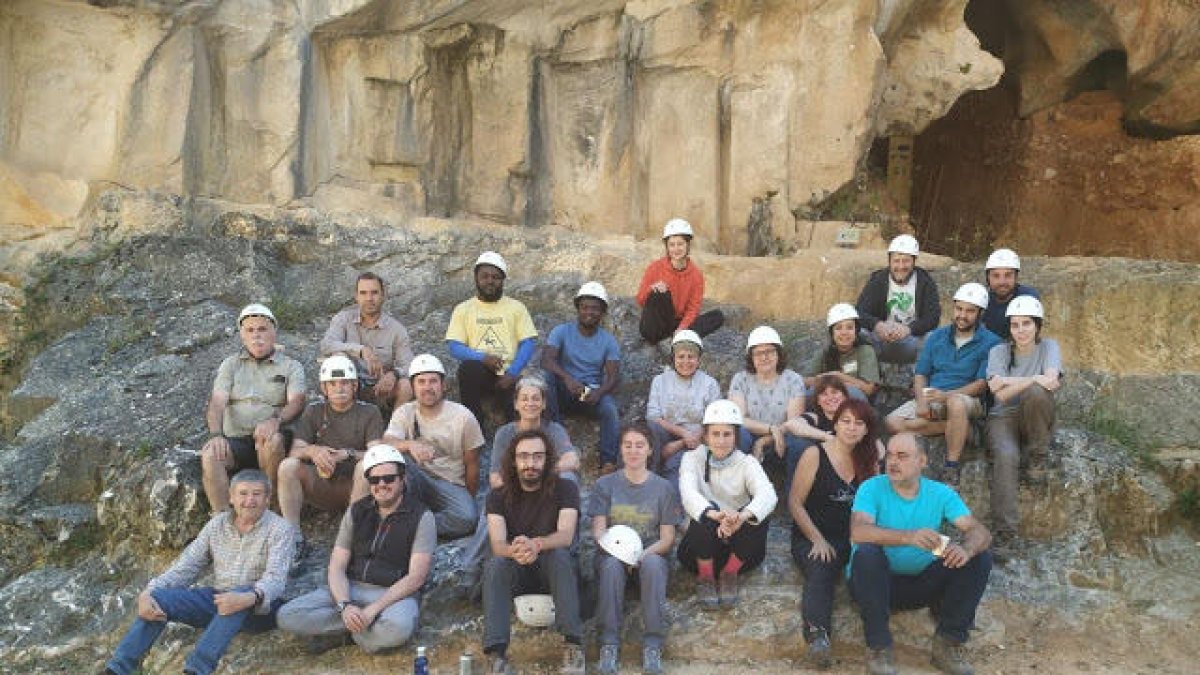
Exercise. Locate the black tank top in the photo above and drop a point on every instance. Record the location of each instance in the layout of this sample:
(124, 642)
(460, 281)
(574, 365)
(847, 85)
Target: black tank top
(829, 500)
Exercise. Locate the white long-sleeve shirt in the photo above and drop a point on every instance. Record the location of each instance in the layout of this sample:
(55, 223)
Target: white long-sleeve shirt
(741, 485)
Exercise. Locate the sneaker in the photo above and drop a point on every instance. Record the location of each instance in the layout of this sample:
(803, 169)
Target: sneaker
(610, 655)
(819, 652)
(498, 665)
(706, 591)
(727, 589)
(652, 660)
(574, 662)
(949, 656)
(881, 662)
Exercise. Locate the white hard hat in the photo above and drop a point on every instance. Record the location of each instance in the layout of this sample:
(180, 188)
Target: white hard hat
(1025, 305)
(535, 610)
(623, 543)
(592, 289)
(677, 226)
(494, 259)
(906, 244)
(686, 335)
(381, 453)
(1003, 257)
(338, 367)
(763, 335)
(973, 293)
(839, 313)
(256, 309)
(723, 411)
(425, 363)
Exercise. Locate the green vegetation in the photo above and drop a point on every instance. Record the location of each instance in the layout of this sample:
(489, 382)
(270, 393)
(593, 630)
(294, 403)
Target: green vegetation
(1187, 504)
(289, 314)
(1124, 434)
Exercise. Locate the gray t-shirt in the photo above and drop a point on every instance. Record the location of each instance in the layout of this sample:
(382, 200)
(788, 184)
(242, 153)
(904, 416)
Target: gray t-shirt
(424, 541)
(643, 507)
(1045, 356)
(504, 435)
(681, 401)
(767, 403)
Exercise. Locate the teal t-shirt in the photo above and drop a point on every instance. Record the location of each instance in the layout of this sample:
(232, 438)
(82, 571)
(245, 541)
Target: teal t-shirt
(935, 503)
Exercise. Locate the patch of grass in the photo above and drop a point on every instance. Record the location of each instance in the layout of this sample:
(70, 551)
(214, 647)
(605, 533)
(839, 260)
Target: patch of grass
(131, 331)
(1187, 504)
(290, 315)
(1124, 434)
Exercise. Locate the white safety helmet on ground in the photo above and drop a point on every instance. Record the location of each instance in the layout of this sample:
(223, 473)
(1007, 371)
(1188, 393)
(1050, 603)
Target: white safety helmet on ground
(338, 367)
(381, 453)
(256, 309)
(1025, 305)
(723, 411)
(906, 244)
(623, 543)
(763, 335)
(592, 289)
(686, 335)
(677, 226)
(494, 259)
(839, 313)
(535, 610)
(1004, 258)
(425, 363)
(973, 293)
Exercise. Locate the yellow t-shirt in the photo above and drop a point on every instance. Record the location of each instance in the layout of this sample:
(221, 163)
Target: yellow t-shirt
(491, 327)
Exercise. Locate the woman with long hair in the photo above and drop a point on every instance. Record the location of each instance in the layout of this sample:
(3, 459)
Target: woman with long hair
(849, 356)
(816, 425)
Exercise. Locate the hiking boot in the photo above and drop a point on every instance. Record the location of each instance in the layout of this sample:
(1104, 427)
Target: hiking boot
(706, 592)
(610, 655)
(819, 652)
(498, 665)
(1004, 546)
(951, 475)
(727, 589)
(881, 662)
(574, 662)
(949, 656)
(652, 660)
(299, 553)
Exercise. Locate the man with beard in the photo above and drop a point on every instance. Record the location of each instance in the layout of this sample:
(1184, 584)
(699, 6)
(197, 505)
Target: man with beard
(1001, 271)
(257, 392)
(582, 361)
(950, 378)
(899, 305)
(493, 338)
(378, 343)
(380, 560)
(531, 524)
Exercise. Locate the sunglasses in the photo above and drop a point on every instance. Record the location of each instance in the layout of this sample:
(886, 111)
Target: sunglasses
(386, 480)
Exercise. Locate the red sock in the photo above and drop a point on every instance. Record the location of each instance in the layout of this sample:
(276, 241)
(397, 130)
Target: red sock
(733, 565)
(706, 569)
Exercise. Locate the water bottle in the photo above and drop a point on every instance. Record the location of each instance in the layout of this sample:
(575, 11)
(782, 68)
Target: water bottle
(421, 665)
(466, 664)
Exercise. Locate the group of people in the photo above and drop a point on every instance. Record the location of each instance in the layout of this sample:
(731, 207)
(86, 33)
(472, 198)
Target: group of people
(692, 477)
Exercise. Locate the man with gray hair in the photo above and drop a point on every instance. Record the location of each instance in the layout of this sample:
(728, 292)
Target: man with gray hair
(249, 550)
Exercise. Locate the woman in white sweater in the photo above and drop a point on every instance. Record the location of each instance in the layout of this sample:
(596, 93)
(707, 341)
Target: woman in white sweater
(728, 499)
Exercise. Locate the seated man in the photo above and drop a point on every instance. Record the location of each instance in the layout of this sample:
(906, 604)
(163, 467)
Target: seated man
(378, 342)
(380, 560)
(583, 367)
(256, 394)
(1001, 271)
(440, 440)
(899, 304)
(330, 437)
(531, 524)
(249, 550)
(901, 561)
(493, 338)
(950, 379)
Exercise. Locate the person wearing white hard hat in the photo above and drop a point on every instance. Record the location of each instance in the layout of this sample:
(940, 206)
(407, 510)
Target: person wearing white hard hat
(256, 394)
(1023, 374)
(377, 342)
(771, 398)
(675, 406)
(381, 558)
(949, 379)
(849, 356)
(492, 336)
(728, 500)
(647, 507)
(330, 436)
(672, 290)
(531, 525)
(440, 440)
(1000, 274)
(582, 362)
(899, 304)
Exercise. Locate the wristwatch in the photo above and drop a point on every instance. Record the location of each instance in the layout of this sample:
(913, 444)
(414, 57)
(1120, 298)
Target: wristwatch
(341, 606)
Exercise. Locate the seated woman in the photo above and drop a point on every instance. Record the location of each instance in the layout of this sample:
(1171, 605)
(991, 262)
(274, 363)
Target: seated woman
(672, 290)
(770, 395)
(823, 490)
(649, 505)
(1023, 375)
(848, 357)
(529, 400)
(676, 404)
(728, 499)
(816, 426)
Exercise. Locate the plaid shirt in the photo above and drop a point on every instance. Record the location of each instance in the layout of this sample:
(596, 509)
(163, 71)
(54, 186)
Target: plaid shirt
(259, 558)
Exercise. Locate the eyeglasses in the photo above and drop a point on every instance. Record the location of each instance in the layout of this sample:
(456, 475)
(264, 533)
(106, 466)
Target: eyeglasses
(386, 480)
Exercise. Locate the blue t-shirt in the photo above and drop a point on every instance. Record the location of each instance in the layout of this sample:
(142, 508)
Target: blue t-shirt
(994, 317)
(935, 503)
(947, 366)
(582, 356)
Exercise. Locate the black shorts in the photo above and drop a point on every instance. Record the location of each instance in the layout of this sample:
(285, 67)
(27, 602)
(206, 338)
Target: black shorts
(244, 454)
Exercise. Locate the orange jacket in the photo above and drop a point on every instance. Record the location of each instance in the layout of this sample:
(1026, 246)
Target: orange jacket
(686, 286)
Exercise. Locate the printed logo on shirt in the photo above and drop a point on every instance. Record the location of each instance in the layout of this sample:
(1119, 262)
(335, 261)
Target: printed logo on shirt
(491, 342)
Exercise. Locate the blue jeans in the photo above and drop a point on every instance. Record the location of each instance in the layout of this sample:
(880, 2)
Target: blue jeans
(900, 351)
(195, 607)
(794, 448)
(454, 509)
(560, 401)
